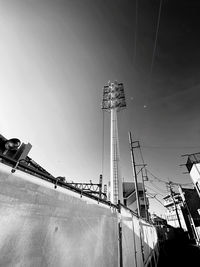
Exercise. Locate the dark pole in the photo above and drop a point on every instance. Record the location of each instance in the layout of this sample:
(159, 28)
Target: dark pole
(171, 193)
(120, 238)
(134, 173)
(145, 199)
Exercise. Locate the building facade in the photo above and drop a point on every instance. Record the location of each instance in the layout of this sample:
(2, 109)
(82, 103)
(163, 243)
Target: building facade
(193, 166)
(174, 215)
(190, 206)
(129, 196)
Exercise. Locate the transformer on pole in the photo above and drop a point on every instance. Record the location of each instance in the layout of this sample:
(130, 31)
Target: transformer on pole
(114, 101)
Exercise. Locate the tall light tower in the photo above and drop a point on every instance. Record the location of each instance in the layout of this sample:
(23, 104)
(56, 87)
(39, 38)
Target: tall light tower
(114, 101)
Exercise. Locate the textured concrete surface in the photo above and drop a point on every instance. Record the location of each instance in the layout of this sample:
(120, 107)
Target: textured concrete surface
(41, 226)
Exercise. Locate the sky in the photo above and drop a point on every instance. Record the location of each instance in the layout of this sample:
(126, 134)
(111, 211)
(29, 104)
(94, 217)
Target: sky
(56, 56)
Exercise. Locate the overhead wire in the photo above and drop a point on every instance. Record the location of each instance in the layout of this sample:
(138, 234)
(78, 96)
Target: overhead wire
(156, 178)
(162, 181)
(158, 188)
(154, 191)
(155, 42)
(140, 150)
(154, 197)
(169, 147)
(150, 75)
(151, 194)
(141, 155)
(144, 166)
(136, 26)
(173, 183)
(143, 162)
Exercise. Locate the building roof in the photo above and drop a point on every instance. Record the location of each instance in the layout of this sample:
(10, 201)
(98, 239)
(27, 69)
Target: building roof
(192, 159)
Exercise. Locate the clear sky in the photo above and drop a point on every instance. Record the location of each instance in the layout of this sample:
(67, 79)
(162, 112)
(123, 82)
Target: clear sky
(57, 55)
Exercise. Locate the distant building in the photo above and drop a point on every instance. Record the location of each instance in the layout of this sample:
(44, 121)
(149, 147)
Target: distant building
(193, 166)
(158, 220)
(175, 219)
(129, 196)
(190, 206)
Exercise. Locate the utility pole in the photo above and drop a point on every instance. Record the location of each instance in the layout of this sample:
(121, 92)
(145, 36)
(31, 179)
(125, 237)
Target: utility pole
(172, 196)
(134, 172)
(132, 146)
(145, 199)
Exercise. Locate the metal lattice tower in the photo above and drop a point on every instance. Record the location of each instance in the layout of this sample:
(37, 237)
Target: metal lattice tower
(114, 101)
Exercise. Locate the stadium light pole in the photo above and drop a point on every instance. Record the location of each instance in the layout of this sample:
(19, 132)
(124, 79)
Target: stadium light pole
(114, 101)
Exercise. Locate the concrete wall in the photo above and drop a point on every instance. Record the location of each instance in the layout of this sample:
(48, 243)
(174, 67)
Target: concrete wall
(139, 240)
(42, 226)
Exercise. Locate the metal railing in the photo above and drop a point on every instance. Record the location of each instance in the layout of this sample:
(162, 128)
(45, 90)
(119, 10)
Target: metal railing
(22, 165)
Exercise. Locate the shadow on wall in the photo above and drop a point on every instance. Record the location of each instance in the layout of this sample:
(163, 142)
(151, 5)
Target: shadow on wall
(139, 241)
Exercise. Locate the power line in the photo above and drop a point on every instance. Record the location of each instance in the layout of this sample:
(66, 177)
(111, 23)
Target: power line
(151, 194)
(156, 39)
(154, 197)
(169, 147)
(158, 188)
(159, 201)
(154, 191)
(140, 150)
(162, 181)
(155, 177)
(143, 163)
(141, 154)
(136, 26)
(173, 183)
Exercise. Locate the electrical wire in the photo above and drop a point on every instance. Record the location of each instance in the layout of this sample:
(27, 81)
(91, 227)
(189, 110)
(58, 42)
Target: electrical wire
(156, 40)
(136, 26)
(158, 188)
(173, 183)
(154, 191)
(169, 147)
(156, 178)
(154, 197)
(151, 194)
(141, 155)
(166, 183)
